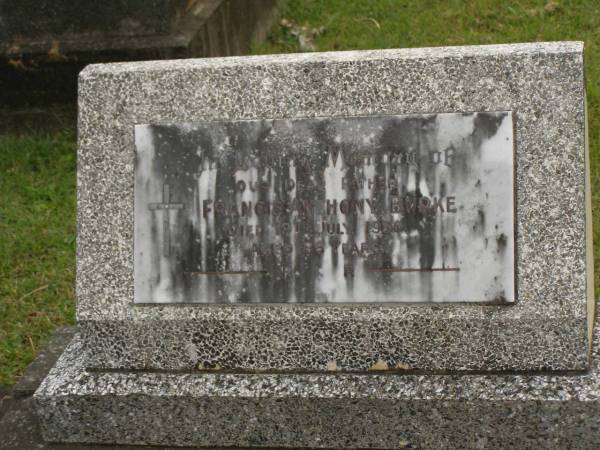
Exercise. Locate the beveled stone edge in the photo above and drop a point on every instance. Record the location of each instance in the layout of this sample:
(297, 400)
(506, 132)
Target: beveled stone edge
(93, 70)
(589, 235)
(531, 345)
(524, 403)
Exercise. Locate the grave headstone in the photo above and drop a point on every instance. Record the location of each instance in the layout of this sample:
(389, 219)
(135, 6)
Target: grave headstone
(357, 249)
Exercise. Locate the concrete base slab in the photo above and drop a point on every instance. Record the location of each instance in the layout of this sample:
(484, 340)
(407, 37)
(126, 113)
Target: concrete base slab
(19, 430)
(19, 425)
(321, 411)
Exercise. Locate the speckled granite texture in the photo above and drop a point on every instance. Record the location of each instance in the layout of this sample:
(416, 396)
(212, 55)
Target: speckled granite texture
(545, 329)
(321, 410)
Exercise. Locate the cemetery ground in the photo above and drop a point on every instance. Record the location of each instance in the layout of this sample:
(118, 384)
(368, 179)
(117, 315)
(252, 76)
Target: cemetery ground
(37, 169)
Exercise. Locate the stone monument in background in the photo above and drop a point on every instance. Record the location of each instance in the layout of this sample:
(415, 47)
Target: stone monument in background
(45, 43)
(373, 249)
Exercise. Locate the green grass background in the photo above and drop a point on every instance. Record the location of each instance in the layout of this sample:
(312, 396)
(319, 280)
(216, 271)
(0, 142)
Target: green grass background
(37, 244)
(37, 172)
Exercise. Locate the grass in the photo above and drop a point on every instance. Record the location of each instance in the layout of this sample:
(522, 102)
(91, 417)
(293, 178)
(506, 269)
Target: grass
(37, 172)
(37, 244)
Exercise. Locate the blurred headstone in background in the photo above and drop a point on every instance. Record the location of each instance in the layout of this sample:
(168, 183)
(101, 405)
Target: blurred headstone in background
(45, 43)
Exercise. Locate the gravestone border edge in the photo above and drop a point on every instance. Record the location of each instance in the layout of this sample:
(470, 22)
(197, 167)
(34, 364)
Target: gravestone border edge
(547, 327)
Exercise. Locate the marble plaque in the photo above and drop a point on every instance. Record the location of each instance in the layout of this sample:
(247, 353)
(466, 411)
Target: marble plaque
(388, 208)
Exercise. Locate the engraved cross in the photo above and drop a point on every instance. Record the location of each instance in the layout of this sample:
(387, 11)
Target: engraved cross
(166, 205)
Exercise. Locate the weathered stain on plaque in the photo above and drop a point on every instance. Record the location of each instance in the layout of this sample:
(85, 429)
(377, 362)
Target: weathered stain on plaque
(391, 208)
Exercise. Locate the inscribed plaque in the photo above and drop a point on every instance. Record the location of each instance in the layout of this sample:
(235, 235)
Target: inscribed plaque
(389, 208)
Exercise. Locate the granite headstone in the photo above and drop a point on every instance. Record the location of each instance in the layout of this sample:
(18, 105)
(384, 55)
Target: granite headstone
(357, 249)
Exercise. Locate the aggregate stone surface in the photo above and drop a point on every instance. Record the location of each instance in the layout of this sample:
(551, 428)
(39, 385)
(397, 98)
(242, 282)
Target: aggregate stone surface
(541, 410)
(541, 83)
(19, 425)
